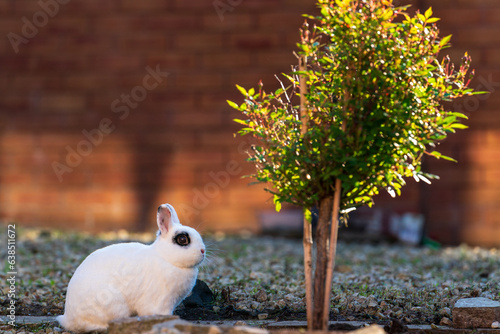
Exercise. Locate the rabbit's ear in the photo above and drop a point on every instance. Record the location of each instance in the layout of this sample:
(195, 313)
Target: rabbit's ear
(165, 217)
(175, 219)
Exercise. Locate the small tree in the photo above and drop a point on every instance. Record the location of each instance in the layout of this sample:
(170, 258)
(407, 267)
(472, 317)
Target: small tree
(361, 110)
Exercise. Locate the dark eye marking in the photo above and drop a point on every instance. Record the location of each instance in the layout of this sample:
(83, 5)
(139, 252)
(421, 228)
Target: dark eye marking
(182, 239)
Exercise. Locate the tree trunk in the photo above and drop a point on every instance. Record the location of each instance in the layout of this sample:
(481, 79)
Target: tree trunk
(308, 244)
(322, 259)
(334, 228)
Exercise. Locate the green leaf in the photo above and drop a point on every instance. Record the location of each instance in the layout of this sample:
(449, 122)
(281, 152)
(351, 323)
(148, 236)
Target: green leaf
(428, 13)
(277, 203)
(387, 15)
(242, 90)
(433, 20)
(240, 121)
(324, 11)
(308, 215)
(444, 41)
(438, 155)
(458, 126)
(233, 105)
(457, 114)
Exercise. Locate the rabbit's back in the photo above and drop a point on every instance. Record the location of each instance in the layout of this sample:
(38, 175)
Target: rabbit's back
(96, 290)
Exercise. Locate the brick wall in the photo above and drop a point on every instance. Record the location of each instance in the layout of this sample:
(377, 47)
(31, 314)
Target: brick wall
(108, 108)
(465, 204)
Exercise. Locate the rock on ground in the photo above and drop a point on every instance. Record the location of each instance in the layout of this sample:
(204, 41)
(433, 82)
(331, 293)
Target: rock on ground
(476, 312)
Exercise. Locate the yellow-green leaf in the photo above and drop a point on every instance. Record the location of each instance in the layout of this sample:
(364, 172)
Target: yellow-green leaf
(233, 105)
(445, 40)
(242, 90)
(277, 203)
(428, 13)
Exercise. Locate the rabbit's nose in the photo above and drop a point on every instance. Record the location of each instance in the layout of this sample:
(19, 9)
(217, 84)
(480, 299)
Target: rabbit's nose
(203, 251)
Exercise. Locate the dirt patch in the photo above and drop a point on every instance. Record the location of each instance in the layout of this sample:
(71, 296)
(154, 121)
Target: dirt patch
(228, 312)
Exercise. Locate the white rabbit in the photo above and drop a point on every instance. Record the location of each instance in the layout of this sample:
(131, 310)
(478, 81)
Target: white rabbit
(128, 279)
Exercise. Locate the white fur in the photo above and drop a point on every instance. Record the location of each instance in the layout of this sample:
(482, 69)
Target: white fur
(132, 278)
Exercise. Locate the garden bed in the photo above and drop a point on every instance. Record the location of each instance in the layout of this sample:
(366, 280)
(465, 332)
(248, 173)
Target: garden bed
(262, 278)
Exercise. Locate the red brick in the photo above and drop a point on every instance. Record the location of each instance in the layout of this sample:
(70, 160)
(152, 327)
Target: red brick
(205, 81)
(116, 63)
(198, 41)
(456, 16)
(6, 8)
(219, 60)
(165, 22)
(57, 64)
(479, 235)
(26, 7)
(229, 219)
(254, 40)
(11, 24)
(478, 36)
(67, 25)
(261, 5)
(196, 158)
(94, 7)
(145, 6)
(110, 24)
(286, 20)
(172, 62)
(193, 5)
(233, 21)
(62, 103)
(142, 41)
(461, 4)
(277, 59)
(15, 178)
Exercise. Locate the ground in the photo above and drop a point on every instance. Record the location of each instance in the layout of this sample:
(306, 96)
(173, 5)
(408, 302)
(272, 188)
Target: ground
(256, 275)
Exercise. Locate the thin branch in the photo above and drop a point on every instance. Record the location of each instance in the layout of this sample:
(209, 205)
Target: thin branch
(283, 87)
(334, 227)
(307, 237)
(303, 92)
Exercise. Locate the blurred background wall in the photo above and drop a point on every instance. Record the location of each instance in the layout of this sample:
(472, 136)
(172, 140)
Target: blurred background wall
(109, 108)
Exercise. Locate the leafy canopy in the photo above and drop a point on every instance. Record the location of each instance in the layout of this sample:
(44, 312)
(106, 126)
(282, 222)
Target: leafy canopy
(374, 107)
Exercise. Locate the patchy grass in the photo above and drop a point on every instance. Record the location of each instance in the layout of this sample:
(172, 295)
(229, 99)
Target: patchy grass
(252, 275)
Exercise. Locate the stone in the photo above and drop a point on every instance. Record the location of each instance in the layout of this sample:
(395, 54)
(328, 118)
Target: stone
(446, 322)
(198, 329)
(261, 296)
(247, 330)
(31, 320)
(263, 316)
(134, 325)
(496, 324)
(476, 312)
(240, 323)
(200, 296)
(254, 305)
(445, 311)
(373, 329)
(169, 327)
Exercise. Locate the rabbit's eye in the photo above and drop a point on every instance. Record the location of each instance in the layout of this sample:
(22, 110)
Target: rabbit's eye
(182, 239)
